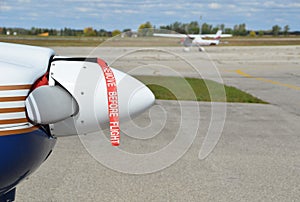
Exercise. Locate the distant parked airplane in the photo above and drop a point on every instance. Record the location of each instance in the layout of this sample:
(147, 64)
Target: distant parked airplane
(197, 39)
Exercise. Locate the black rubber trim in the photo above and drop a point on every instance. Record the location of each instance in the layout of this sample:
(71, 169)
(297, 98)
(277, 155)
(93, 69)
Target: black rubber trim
(79, 59)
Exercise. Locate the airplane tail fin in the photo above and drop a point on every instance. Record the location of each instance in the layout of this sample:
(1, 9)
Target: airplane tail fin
(218, 34)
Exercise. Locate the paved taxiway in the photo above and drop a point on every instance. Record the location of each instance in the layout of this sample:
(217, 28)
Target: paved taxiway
(256, 159)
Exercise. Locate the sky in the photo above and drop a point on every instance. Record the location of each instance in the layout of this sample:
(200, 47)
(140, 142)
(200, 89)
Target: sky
(122, 14)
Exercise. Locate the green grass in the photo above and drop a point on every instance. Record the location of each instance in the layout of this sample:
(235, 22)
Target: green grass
(54, 40)
(176, 88)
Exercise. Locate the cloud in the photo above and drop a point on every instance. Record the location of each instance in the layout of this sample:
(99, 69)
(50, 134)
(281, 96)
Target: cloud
(231, 6)
(127, 11)
(24, 1)
(5, 8)
(33, 14)
(170, 12)
(214, 6)
(280, 5)
(83, 9)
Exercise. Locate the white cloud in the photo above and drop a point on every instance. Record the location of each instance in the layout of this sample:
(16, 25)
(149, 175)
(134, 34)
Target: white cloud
(248, 14)
(280, 5)
(33, 14)
(127, 11)
(214, 6)
(279, 20)
(24, 1)
(83, 9)
(231, 6)
(94, 14)
(269, 3)
(5, 8)
(296, 5)
(178, 6)
(170, 13)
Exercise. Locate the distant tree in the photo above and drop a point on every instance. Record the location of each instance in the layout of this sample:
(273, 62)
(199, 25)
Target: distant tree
(215, 29)
(286, 30)
(89, 31)
(3, 30)
(126, 30)
(252, 34)
(145, 29)
(206, 28)
(243, 30)
(33, 31)
(222, 27)
(164, 27)
(68, 32)
(276, 30)
(53, 32)
(179, 27)
(228, 31)
(261, 33)
(240, 30)
(116, 32)
(193, 27)
(146, 25)
(102, 33)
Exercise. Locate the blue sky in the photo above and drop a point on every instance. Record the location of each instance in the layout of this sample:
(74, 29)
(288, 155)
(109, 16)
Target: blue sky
(121, 14)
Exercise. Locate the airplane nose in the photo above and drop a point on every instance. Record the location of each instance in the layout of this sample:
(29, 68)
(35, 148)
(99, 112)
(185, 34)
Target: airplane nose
(134, 96)
(141, 100)
(88, 86)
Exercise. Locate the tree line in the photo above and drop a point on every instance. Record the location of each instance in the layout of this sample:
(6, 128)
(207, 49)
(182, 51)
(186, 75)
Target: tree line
(147, 29)
(237, 30)
(89, 31)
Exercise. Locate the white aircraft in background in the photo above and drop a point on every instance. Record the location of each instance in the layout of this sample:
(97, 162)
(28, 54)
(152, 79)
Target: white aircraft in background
(197, 39)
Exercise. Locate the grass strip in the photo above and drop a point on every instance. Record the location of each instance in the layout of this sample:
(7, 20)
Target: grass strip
(177, 88)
